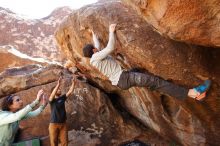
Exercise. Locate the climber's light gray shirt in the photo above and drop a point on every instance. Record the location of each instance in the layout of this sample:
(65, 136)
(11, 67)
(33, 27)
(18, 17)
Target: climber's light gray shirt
(104, 62)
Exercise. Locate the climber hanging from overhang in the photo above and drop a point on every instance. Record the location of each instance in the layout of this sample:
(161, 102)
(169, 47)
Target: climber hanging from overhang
(107, 65)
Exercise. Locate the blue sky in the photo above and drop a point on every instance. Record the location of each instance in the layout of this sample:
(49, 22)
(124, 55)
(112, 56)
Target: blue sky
(40, 8)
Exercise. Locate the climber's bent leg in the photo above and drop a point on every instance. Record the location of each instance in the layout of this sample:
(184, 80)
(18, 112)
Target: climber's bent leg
(129, 79)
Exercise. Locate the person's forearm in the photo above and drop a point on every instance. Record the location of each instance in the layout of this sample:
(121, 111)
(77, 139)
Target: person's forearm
(35, 112)
(34, 103)
(107, 50)
(54, 92)
(96, 41)
(70, 90)
(111, 42)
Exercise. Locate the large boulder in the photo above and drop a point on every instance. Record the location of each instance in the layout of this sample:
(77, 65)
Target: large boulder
(194, 22)
(16, 79)
(92, 119)
(186, 122)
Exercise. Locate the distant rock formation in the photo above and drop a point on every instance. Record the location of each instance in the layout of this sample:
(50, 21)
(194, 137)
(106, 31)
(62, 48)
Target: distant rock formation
(9, 59)
(33, 37)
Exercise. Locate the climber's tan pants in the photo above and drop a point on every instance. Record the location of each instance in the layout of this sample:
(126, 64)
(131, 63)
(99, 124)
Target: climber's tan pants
(58, 131)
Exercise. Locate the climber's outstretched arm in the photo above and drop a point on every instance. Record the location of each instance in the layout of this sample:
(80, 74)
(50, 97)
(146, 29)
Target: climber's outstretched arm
(110, 46)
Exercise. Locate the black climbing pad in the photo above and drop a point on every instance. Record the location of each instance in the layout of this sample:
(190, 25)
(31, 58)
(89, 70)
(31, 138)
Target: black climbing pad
(134, 143)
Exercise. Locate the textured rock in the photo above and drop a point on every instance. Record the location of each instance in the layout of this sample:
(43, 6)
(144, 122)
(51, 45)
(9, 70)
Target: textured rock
(32, 37)
(187, 122)
(9, 60)
(194, 22)
(29, 76)
(92, 119)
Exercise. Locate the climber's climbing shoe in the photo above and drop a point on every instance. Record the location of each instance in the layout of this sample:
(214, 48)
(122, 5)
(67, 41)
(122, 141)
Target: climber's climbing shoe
(203, 87)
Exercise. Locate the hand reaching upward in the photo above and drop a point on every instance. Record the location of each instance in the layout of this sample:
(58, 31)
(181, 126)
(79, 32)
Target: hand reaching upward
(59, 80)
(112, 27)
(40, 94)
(72, 86)
(44, 100)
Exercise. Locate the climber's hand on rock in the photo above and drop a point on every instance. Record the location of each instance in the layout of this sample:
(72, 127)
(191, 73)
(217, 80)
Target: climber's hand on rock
(90, 31)
(112, 27)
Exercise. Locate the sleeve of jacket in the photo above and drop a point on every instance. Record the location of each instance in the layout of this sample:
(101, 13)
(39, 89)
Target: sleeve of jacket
(96, 41)
(107, 50)
(35, 112)
(8, 117)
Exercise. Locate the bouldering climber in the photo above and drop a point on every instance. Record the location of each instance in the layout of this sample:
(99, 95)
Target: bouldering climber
(107, 65)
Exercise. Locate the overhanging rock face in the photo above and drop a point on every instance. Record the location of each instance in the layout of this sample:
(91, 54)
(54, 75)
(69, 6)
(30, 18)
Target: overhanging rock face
(196, 22)
(92, 119)
(187, 122)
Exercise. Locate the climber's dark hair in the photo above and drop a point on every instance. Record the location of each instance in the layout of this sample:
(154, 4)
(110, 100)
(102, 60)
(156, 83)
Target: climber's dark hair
(88, 50)
(7, 101)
